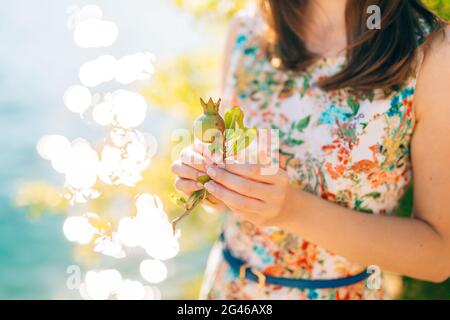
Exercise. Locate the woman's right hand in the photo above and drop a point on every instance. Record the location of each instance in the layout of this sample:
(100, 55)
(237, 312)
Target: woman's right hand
(189, 167)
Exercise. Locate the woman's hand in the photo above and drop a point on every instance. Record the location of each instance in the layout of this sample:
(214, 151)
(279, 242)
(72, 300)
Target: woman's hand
(192, 165)
(257, 197)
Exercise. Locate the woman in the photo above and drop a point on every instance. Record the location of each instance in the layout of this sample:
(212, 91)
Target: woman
(359, 113)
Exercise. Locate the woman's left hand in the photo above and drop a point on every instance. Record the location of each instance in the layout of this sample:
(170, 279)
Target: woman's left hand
(251, 192)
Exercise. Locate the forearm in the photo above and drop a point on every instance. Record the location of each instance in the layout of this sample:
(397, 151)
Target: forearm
(407, 246)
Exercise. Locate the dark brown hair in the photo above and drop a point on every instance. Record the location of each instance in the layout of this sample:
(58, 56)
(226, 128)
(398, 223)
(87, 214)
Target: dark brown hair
(376, 59)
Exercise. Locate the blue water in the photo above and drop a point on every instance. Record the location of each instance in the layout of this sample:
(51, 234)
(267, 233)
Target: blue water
(38, 61)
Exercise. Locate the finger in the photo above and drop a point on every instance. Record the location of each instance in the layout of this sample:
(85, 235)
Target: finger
(194, 159)
(203, 149)
(213, 199)
(239, 184)
(187, 186)
(185, 171)
(266, 174)
(234, 199)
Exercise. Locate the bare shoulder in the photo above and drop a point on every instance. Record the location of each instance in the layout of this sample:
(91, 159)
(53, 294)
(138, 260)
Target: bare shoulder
(433, 82)
(232, 33)
(233, 27)
(240, 23)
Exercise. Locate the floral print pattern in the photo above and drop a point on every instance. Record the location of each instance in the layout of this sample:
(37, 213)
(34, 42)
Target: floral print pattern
(353, 152)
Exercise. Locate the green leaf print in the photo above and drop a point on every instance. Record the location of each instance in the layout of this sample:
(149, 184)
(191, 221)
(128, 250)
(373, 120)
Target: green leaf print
(293, 142)
(374, 195)
(354, 106)
(303, 123)
(370, 95)
(306, 84)
(360, 208)
(306, 81)
(281, 134)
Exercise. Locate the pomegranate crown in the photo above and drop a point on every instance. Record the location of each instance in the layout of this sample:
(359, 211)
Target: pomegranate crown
(210, 106)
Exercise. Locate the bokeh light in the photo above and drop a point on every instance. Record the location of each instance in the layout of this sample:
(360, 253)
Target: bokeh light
(154, 271)
(77, 99)
(125, 70)
(91, 31)
(78, 229)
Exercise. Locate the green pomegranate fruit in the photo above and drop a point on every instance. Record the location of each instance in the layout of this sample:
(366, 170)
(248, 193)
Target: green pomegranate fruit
(210, 123)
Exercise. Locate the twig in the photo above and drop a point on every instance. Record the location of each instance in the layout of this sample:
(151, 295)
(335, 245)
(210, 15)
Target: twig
(188, 211)
(224, 151)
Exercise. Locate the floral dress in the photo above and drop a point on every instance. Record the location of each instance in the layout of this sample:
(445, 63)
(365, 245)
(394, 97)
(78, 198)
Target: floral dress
(351, 151)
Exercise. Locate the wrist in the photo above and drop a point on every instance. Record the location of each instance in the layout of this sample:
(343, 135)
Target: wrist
(291, 210)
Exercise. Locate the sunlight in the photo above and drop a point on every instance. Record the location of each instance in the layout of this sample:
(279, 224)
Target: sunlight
(131, 290)
(50, 146)
(96, 72)
(91, 31)
(125, 70)
(77, 99)
(123, 161)
(110, 246)
(78, 229)
(150, 229)
(100, 285)
(154, 271)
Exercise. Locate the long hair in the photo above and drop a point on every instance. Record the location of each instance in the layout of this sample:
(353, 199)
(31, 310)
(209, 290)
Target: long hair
(376, 59)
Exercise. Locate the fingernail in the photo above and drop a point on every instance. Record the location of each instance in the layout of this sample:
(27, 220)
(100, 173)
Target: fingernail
(217, 158)
(210, 187)
(207, 162)
(211, 172)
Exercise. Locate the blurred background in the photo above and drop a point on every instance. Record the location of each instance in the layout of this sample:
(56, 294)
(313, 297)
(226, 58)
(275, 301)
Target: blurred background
(38, 61)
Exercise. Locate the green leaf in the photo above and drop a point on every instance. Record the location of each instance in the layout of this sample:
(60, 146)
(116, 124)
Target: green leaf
(204, 179)
(303, 123)
(195, 197)
(215, 147)
(236, 134)
(243, 140)
(353, 105)
(234, 119)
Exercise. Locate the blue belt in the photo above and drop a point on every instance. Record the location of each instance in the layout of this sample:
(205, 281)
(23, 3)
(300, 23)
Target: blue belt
(245, 271)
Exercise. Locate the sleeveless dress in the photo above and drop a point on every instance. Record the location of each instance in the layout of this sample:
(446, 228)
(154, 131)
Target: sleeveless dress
(353, 152)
